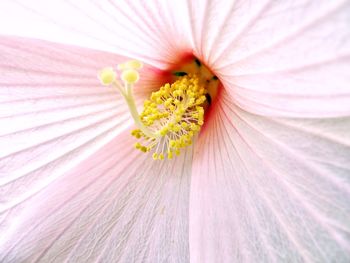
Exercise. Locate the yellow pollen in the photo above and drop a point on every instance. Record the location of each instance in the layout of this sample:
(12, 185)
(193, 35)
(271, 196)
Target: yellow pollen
(173, 115)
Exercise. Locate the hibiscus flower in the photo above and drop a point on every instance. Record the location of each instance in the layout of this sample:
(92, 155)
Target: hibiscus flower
(265, 180)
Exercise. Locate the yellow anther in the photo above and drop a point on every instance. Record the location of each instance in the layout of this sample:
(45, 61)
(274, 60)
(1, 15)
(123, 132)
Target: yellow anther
(194, 127)
(178, 118)
(146, 103)
(164, 131)
(184, 125)
(136, 133)
(138, 145)
(172, 143)
(177, 128)
(168, 102)
(200, 100)
(107, 76)
(130, 76)
(165, 114)
(144, 149)
(155, 156)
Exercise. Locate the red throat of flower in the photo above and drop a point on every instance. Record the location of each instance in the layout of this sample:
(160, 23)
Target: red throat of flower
(173, 115)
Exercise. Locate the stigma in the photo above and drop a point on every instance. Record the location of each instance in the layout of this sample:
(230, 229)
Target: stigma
(173, 115)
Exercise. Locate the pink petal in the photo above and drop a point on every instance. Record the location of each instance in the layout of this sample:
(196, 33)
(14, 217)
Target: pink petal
(61, 197)
(284, 58)
(270, 190)
(123, 27)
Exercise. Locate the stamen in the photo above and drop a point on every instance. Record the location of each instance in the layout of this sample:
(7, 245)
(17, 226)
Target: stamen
(129, 77)
(171, 117)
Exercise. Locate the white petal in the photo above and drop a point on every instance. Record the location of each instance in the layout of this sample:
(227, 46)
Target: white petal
(270, 190)
(117, 205)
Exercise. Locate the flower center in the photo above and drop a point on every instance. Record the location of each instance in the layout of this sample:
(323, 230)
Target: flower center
(174, 114)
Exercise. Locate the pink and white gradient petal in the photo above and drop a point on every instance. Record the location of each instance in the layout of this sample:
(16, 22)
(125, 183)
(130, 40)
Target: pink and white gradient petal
(270, 189)
(287, 58)
(278, 58)
(263, 188)
(54, 112)
(108, 208)
(72, 186)
(121, 27)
